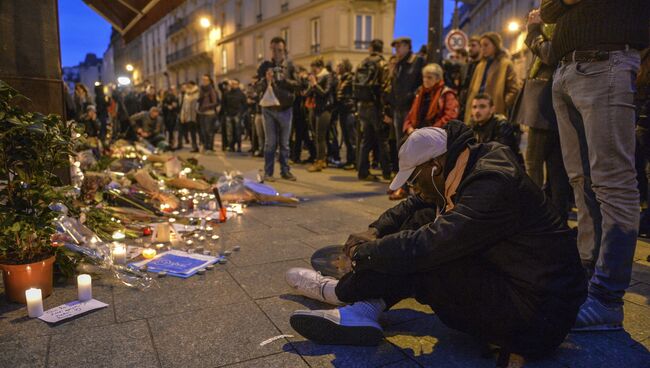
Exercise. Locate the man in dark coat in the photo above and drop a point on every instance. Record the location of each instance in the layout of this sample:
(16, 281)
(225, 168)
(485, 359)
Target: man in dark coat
(491, 127)
(496, 263)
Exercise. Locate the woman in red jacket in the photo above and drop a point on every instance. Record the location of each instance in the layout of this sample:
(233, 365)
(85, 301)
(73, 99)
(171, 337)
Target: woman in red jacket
(434, 104)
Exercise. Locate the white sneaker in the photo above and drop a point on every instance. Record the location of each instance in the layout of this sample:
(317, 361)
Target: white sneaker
(354, 324)
(310, 283)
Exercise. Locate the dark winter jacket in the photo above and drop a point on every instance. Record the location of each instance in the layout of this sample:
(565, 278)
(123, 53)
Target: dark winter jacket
(208, 100)
(499, 215)
(285, 81)
(344, 93)
(322, 92)
(234, 102)
(498, 129)
(405, 80)
(147, 102)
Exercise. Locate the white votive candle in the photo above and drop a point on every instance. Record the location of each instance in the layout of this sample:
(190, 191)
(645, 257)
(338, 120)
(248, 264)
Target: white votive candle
(34, 302)
(119, 253)
(84, 288)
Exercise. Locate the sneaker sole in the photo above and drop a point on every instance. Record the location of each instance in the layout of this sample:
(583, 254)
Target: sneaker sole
(595, 328)
(325, 332)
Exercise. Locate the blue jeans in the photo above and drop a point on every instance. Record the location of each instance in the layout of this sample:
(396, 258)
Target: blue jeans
(206, 130)
(349, 131)
(277, 129)
(595, 112)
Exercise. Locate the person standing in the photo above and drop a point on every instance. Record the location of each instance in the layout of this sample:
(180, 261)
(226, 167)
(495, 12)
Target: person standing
(320, 91)
(345, 104)
(207, 112)
(277, 86)
(81, 100)
(596, 44)
(234, 107)
(170, 113)
(494, 75)
(188, 115)
(369, 83)
(474, 57)
(149, 99)
(534, 108)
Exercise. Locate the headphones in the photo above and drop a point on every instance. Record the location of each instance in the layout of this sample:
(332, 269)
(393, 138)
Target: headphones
(435, 171)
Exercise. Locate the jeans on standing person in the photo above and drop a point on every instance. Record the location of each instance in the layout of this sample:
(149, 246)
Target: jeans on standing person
(543, 151)
(320, 124)
(206, 130)
(233, 128)
(595, 111)
(258, 132)
(375, 135)
(277, 130)
(349, 132)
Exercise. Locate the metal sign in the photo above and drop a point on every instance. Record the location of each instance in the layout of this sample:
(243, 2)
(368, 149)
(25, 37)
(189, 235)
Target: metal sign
(456, 40)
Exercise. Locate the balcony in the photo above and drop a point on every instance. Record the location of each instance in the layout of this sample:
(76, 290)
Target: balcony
(177, 26)
(361, 45)
(197, 50)
(315, 48)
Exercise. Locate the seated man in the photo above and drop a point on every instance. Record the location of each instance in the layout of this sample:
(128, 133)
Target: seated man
(149, 125)
(491, 127)
(496, 263)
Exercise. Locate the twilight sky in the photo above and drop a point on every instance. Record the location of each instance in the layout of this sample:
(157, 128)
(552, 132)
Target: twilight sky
(84, 31)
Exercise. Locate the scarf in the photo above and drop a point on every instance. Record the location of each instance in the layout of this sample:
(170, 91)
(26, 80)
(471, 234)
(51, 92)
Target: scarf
(453, 179)
(434, 105)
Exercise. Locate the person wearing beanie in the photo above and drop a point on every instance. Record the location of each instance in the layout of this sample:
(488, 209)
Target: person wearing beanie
(496, 262)
(494, 75)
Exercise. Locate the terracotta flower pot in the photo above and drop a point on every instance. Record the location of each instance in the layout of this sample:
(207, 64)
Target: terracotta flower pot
(18, 278)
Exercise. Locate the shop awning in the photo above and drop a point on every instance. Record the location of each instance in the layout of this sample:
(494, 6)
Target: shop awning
(132, 17)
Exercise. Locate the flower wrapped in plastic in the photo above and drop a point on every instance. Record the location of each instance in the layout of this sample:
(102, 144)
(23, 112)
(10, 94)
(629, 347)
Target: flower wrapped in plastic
(235, 187)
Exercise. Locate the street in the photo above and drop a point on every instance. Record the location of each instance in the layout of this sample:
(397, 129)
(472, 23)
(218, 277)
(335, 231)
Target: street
(223, 317)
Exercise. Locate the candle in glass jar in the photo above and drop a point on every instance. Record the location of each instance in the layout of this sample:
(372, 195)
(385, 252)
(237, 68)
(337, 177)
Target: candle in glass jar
(119, 253)
(84, 288)
(34, 299)
(148, 253)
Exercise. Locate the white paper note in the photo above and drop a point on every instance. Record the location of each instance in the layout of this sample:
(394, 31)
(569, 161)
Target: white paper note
(69, 310)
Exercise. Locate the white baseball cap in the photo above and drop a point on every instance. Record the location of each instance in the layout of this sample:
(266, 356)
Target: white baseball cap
(421, 146)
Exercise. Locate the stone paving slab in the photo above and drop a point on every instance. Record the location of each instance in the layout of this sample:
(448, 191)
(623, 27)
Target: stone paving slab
(30, 352)
(267, 280)
(122, 345)
(177, 295)
(213, 337)
(281, 360)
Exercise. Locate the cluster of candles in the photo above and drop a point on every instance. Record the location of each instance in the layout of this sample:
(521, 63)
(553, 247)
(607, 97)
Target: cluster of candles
(34, 296)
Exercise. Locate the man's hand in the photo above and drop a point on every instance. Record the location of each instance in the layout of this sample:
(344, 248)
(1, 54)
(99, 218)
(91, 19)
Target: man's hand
(387, 119)
(269, 75)
(534, 17)
(355, 240)
(312, 80)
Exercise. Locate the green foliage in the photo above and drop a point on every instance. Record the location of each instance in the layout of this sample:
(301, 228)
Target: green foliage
(32, 147)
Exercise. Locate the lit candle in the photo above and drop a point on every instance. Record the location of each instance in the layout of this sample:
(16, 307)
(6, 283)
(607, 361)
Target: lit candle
(118, 236)
(119, 253)
(34, 302)
(172, 220)
(162, 232)
(209, 228)
(148, 253)
(84, 287)
(160, 245)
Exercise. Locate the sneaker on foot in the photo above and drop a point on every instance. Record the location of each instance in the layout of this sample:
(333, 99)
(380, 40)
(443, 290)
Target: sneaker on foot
(354, 324)
(593, 316)
(309, 283)
(288, 176)
(268, 178)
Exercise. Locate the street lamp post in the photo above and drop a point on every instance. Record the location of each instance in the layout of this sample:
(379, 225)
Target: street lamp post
(434, 42)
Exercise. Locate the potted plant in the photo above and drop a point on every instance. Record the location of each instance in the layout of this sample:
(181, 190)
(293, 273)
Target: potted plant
(32, 147)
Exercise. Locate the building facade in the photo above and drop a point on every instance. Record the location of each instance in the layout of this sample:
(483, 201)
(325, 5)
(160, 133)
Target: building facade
(229, 38)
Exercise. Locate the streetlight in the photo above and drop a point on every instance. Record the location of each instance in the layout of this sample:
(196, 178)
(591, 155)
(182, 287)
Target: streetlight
(129, 67)
(204, 22)
(123, 81)
(513, 26)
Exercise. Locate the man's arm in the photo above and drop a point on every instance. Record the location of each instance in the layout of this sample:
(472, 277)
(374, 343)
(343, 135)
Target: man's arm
(552, 10)
(137, 117)
(539, 45)
(511, 86)
(485, 214)
(391, 221)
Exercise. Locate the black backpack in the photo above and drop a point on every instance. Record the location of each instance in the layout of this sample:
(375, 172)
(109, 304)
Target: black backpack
(366, 84)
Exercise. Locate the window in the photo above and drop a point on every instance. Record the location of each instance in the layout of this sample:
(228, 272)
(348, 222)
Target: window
(259, 47)
(315, 36)
(284, 7)
(363, 34)
(258, 8)
(238, 15)
(284, 33)
(224, 61)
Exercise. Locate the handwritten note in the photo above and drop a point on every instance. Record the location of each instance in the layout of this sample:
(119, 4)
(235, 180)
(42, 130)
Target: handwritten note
(70, 310)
